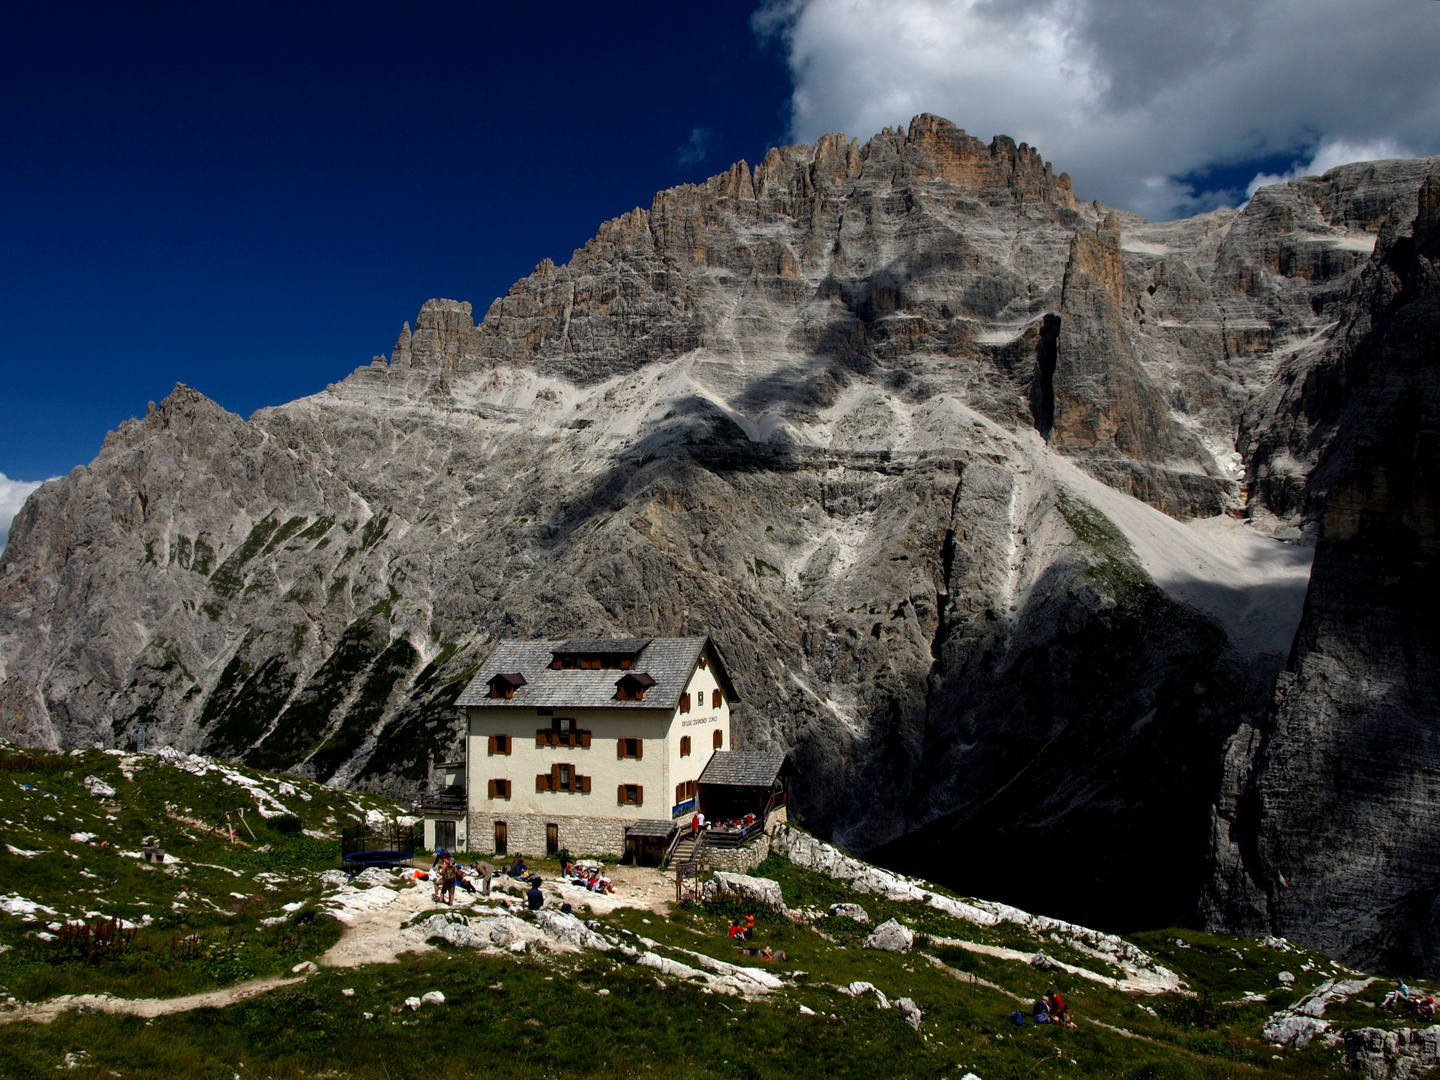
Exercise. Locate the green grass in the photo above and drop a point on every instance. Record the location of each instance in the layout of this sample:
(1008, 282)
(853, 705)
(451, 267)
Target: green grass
(198, 922)
(532, 1016)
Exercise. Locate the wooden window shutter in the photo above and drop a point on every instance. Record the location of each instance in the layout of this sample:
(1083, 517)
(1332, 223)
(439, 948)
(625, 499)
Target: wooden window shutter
(719, 738)
(715, 698)
(492, 745)
(684, 702)
(490, 788)
(639, 794)
(542, 737)
(555, 778)
(619, 748)
(679, 793)
(684, 745)
(620, 795)
(584, 784)
(584, 738)
(542, 782)
(639, 749)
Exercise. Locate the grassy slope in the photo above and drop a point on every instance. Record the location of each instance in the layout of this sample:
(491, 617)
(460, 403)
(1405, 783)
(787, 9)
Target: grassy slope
(198, 925)
(541, 1016)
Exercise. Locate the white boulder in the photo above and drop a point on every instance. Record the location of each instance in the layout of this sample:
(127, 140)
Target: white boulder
(891, 936)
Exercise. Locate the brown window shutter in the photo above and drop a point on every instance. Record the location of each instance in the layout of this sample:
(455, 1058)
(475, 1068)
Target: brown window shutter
(620, 795)
(639, 749)
(584, 738)
(639, 794)
(684, 702)
(507, 789)
(619, 748)
(679, 793)
(684, 745)
(584, 784)
(505, 744)
(719, 738)
(715, 698)
(492, 744)
(490, 789)
(555, 778)
(542, 736)
(542, 782)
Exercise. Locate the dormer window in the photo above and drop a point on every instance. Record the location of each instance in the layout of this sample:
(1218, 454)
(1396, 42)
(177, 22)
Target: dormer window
(632, 686)
(504, 686)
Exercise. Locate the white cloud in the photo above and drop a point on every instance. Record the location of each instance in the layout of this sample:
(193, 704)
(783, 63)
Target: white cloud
(12, 496)
(1328, 155)
(1128, 96)
(697, 149)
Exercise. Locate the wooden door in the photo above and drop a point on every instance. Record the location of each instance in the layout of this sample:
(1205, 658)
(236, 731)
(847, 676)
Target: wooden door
(552, 839)
(445, 835)
(500, 844)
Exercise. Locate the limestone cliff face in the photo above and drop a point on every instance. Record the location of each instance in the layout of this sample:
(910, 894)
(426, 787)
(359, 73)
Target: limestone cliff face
(1327, 829)
(803, 408)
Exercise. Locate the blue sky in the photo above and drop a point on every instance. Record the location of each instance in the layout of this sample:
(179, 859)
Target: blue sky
(251, 199)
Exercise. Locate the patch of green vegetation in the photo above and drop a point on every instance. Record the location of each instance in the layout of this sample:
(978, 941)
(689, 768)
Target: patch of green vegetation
(1116, 564)
(228, 579)
(302, 726)
(320, 527)
(392, 665)
(759, 567)
(204, 558)
(243, 716)
(423, 729)
(289, 529)
(375, 530)
(112, 922)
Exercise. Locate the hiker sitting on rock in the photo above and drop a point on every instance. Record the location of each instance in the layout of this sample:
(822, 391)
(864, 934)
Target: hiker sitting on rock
(1399, 997)
(1041, 1011)
(535, 899)
(518, 869)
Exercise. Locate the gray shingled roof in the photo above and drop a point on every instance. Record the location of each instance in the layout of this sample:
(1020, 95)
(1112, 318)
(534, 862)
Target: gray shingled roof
(651, 827)
(669, 661)
(743, 768)
(603, 645)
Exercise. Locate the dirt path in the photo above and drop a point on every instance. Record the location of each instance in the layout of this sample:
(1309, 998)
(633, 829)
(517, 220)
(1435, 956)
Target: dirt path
(44, 1011)
(375, 933)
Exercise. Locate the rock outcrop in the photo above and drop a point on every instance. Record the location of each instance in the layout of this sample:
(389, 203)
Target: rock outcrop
(895, 423)
(1325, 831)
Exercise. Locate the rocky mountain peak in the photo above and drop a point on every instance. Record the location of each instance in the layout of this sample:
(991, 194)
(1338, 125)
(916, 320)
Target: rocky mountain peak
(945, 459)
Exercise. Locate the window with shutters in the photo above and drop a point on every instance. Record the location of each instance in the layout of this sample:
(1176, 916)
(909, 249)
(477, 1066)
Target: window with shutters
(631, 795)
(499, 789)
(715, 698)
(684, 702)
(562, 778)
(499, 744)
(685, 791)
(684, 745)
(719, 739)
(562, 732)
(630, 748)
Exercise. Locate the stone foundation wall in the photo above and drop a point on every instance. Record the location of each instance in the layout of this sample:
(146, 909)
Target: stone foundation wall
(525, 834)
(739, 860)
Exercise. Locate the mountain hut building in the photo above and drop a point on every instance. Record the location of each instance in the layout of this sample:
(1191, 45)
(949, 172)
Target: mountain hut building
(596, 746)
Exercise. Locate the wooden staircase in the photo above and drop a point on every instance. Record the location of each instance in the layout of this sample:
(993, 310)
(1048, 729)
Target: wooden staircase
(687, 848)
